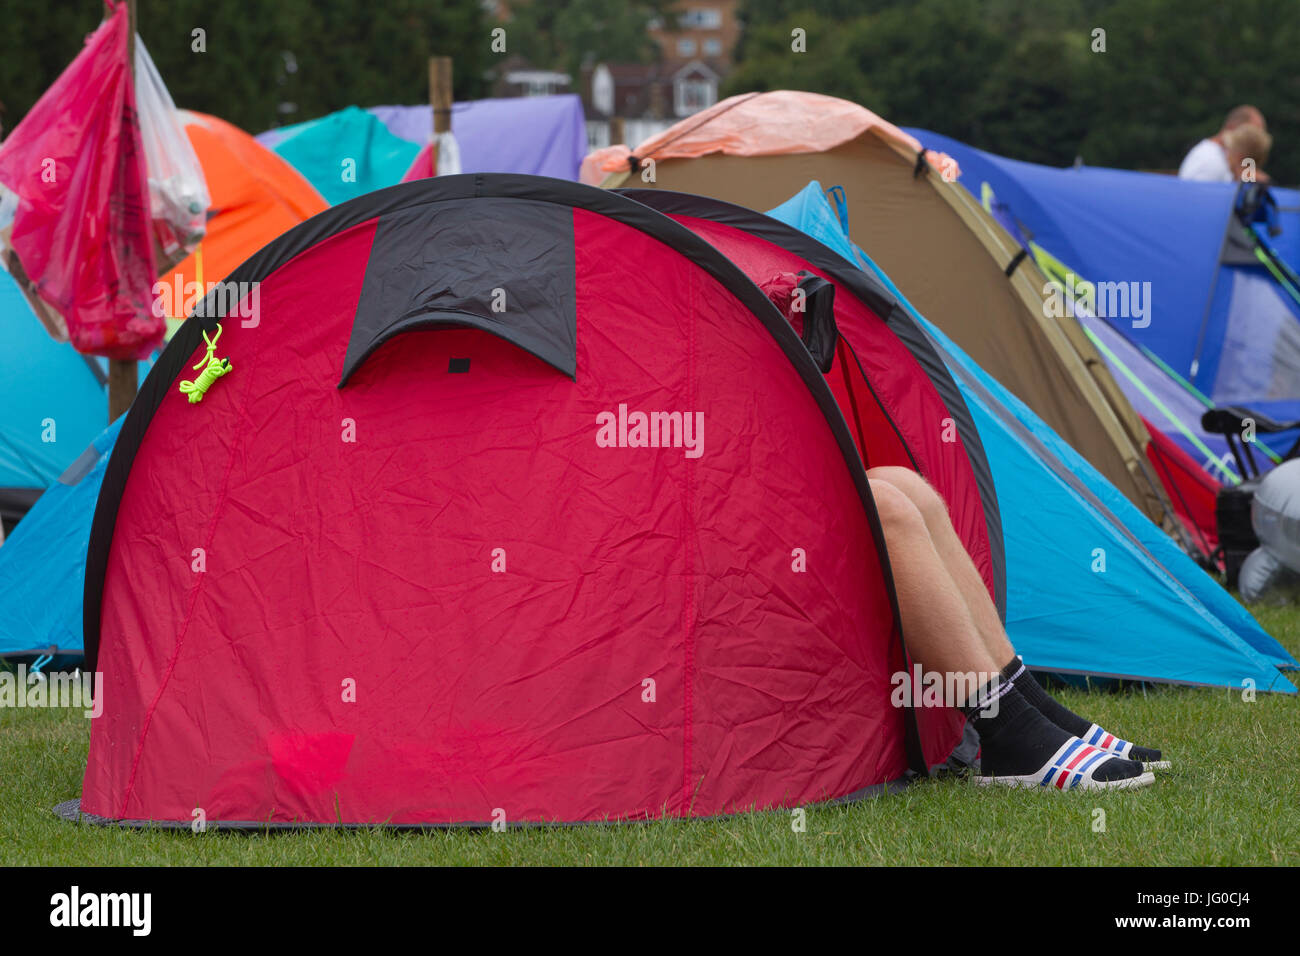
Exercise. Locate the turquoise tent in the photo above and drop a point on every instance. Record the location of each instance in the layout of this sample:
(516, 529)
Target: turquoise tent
(43, 563)
(346, 154)
(52, 403)
(1093, 587)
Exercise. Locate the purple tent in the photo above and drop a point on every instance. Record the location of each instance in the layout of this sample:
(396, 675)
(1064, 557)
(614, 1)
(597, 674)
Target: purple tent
(541, 135)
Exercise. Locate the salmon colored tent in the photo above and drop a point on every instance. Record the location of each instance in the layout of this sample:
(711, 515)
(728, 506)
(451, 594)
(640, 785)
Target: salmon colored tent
(759, 124)
(256, 196)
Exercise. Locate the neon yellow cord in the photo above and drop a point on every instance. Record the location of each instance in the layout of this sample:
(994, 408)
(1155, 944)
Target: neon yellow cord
(213, 369)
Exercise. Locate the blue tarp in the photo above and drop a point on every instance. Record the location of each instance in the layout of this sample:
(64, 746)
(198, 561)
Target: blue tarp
(1093, 587)
(43, 564)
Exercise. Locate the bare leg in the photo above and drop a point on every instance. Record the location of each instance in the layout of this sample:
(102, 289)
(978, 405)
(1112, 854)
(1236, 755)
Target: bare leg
(941, 634)
(943, 601)
(954, 556)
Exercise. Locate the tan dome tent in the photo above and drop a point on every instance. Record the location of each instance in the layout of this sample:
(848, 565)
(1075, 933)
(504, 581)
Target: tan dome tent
(955, 263)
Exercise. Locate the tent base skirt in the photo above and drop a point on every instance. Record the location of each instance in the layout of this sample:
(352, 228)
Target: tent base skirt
(71, 811)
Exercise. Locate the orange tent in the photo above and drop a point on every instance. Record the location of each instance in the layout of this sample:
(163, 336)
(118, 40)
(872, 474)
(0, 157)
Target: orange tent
(255, 196)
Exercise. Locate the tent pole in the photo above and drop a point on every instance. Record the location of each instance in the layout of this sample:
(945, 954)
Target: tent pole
(440, 100)
(122, 376)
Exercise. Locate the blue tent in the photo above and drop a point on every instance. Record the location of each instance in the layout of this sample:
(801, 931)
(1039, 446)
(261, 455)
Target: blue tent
(1220, 327)
(1093, 587)
(52, 403)
(43, 563)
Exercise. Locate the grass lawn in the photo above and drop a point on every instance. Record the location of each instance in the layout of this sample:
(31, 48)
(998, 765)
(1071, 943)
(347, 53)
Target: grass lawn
(1233, 798)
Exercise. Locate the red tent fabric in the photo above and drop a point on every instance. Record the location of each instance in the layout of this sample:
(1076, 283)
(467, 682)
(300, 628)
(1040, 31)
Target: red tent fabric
(893, 405)
(422, 166)
(81, 230)
(420, 559)
(1192, 490)
(899, 401)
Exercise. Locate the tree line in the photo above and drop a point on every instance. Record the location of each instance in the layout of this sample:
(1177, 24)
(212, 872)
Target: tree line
(1034, 81)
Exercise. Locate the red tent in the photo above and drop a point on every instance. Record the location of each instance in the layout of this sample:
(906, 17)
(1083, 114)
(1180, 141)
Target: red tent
(901, 404)
(520, 502)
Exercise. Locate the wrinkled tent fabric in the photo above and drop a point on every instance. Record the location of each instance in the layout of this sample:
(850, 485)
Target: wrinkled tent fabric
(892, 388)
(1152, 614)
(951, 259)
(477, 443)
(46, 389)
(43, 563)
(1228, 330)
(255, 197)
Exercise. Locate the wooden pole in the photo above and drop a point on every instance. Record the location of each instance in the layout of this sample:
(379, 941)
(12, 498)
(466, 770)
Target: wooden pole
(439, 99)
(123, 378)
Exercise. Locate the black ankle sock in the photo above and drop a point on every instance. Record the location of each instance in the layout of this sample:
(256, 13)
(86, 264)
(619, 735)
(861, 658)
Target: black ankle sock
(1047, 705)
(1056, 712)
(1143, 754)
(1017, 739)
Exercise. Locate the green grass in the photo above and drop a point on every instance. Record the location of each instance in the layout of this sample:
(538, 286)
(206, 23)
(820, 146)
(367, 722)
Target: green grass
(1231, 799)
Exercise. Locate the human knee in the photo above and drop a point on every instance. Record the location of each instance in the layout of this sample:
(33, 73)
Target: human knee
(896, 509)
(919, 491)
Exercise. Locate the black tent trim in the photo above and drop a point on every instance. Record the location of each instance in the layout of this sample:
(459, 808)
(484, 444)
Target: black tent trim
(409, 287)
(405, 196)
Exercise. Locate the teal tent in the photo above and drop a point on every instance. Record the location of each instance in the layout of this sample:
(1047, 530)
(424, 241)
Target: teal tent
(52, 403)
(345, 154)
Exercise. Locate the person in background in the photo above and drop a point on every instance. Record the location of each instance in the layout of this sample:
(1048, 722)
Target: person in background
(1218, 158)
(1248, 142)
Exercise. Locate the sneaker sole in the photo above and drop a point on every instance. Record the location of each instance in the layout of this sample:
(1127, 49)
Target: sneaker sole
(1129, 783)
